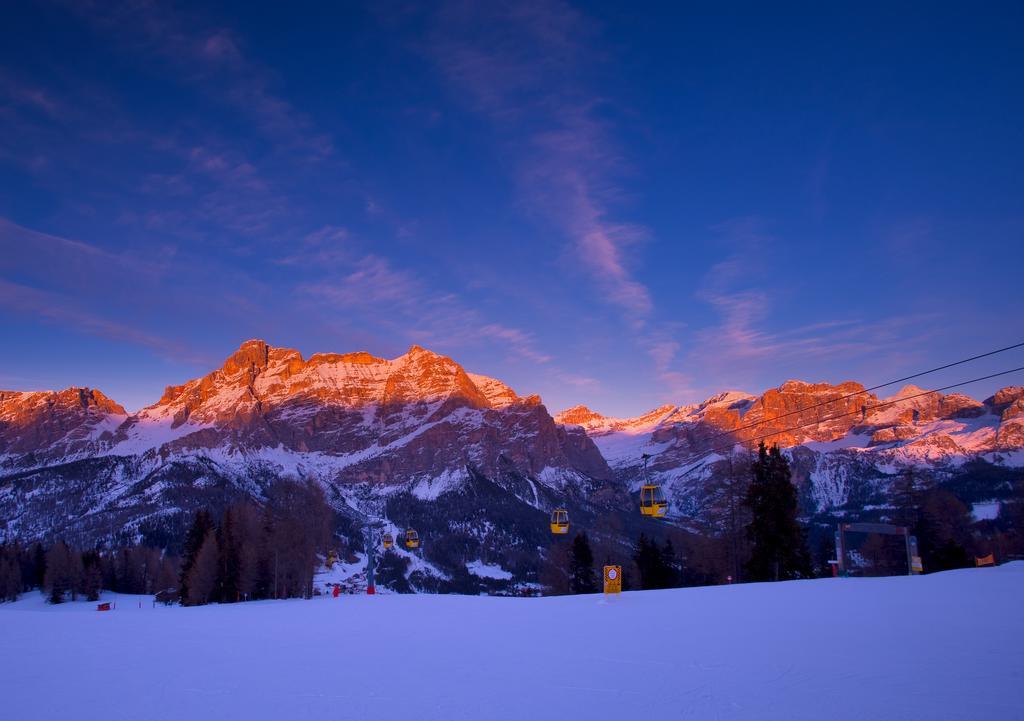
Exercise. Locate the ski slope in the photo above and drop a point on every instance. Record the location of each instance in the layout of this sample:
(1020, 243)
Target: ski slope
(946, 646)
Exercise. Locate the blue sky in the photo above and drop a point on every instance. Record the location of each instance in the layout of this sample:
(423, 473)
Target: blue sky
(608, 204)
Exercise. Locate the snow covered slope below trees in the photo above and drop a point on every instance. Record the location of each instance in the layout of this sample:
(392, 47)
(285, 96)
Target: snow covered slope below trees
(928, 648)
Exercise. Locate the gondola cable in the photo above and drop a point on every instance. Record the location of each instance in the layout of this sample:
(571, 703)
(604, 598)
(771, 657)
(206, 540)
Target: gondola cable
(869, 390)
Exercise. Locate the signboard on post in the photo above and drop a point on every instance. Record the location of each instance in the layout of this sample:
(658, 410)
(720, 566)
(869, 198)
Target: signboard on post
(612, 579)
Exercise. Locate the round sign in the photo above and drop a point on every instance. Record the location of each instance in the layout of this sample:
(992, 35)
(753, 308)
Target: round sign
(612, 574)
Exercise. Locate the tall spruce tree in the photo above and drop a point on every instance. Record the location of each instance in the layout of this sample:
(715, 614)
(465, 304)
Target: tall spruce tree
(581, 566)
(38, 565)
(63, 572)
(778, 548)
(10, 573)
(670, 570)
(202, 577)
(906, 500)
(92, 578)
(229, 560)
(202, 525)
(657, 565)
(943, 531)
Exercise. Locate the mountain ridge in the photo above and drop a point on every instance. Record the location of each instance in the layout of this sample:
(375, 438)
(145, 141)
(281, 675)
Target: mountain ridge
(418, 440)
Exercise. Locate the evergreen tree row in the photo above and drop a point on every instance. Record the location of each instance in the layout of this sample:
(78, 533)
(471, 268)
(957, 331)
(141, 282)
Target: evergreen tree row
(64, 572)
(257, 552)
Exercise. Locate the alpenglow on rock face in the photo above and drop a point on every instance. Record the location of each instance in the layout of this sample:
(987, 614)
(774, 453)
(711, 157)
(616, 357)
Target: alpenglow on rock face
(416, 440)
(846, 446)
(365, 427)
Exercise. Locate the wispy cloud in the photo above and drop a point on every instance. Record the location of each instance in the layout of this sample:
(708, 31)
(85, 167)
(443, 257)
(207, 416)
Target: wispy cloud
(524, 66)
(67, 312)
(210, 57)
(373, 281)
(83, 286)
(14, 91)
(663, 347)
(373, 289)
(520, 341)
(746, 336)
(326, 248)
(70, 263)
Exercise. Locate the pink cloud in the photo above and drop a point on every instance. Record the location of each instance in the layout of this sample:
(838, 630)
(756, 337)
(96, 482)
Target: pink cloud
(742, 340)
(213, 60)
(402, 301)
(65, 311)
(31, 96)
(520, 341)
(326, 248)
(522, 64)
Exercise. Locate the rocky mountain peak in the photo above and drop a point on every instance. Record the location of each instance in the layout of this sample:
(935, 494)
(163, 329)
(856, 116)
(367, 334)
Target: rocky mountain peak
(89, 399)
(251, 354)
(578, 416)
(74, 400)
(56, 423)
(1005, 396)
(498, 394)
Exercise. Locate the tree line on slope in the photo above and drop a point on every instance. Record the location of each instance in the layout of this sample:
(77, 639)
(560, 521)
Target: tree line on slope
(271, 550)
(257, 552)
(758, 537)
(254, 552)
(777, 548)
(67, 573)
(936, 513)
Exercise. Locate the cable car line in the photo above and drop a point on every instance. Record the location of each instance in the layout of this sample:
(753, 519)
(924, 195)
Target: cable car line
(842, 415)
(884, 404)
(652, 498)
(868, 390)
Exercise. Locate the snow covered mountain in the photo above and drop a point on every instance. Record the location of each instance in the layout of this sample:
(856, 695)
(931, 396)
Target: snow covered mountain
(846, 446)
(414, 440)
(418, 441)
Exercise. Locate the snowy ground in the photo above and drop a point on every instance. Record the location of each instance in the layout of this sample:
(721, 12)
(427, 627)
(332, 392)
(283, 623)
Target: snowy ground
(946, 646)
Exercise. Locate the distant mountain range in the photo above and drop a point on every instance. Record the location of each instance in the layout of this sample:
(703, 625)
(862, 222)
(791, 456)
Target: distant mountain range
(416, 440)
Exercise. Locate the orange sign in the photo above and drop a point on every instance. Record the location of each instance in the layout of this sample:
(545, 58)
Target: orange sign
(613, 579)
(988, 560)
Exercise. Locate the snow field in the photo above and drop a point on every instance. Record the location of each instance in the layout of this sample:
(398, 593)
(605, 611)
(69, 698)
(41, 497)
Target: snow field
(940, 647)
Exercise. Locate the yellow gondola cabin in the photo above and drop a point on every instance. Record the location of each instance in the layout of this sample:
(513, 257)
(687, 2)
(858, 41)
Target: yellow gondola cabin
(412, 539)
(560, 522)
(388, 541)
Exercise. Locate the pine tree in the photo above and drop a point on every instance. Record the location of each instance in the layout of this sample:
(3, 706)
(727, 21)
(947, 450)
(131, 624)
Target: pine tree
(10, 573)
(943, 531)
(229, 561)
(643, 557)
(906, 499)
(581, 566)
(167, 575)
(669, 566)
(92, 579)
(38, 566)
(779, 550)
(63, 572)
(202, 524)
(202, 577)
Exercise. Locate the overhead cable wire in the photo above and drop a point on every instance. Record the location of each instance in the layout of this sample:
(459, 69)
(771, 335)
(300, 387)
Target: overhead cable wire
(872, 388)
